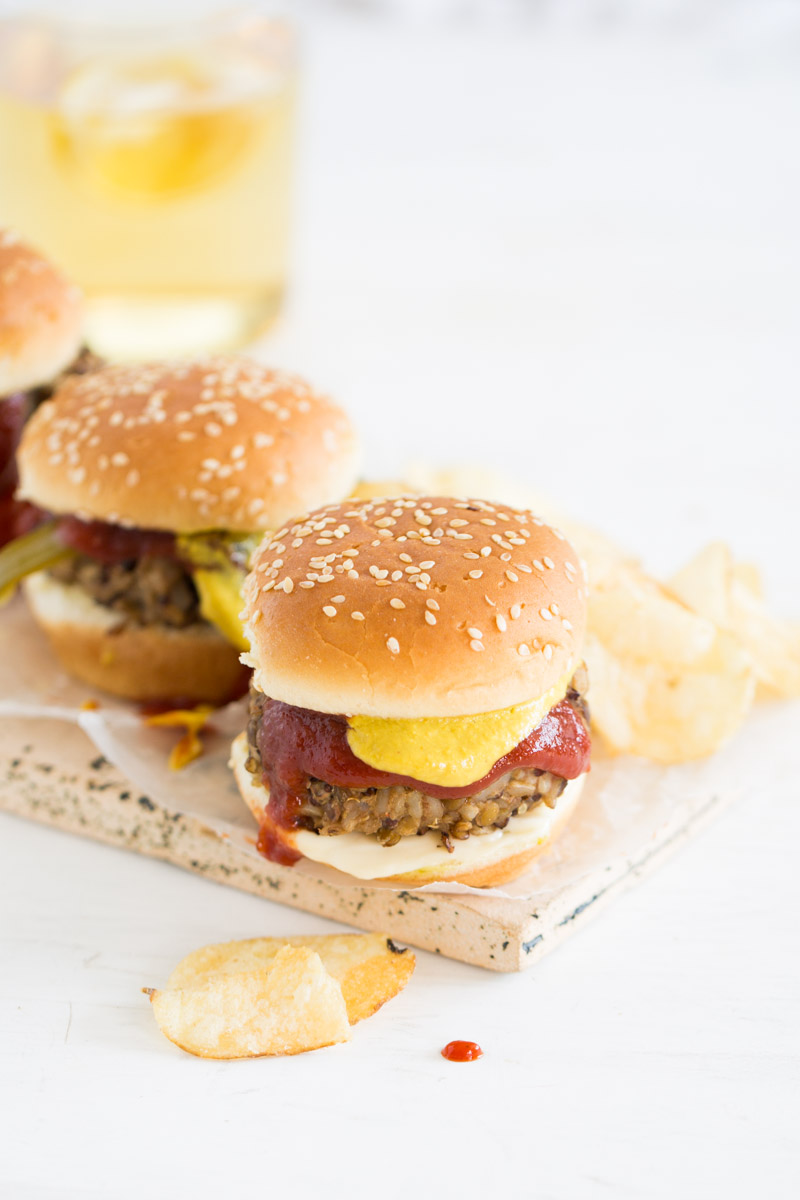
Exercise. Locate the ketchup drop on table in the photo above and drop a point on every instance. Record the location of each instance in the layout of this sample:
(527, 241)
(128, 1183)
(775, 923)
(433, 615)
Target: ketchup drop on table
(462, 1051)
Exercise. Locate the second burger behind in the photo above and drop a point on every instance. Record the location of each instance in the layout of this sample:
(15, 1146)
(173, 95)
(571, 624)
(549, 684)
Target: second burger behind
(159, 480)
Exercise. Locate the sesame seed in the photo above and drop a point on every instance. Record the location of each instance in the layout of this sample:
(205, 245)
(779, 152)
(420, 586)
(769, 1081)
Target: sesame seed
(306, 583)
(554, 609)
(567, 624)
(489, 601)
(476, 645)
(539, 566)
(548, 562)
(396, 602)
(500, 621)
(548, 651)
(430, 618)
(393, 645)
(475, 633)
(405, 558)
(288, 585)
(545, 614)
(396, 575)
(512, 576)
(432, 604)
(357, 616)
(470, 554)
(516, 611)
(523, 650)
(337, 599)
(476, 574)
(426, 566)
(329, 610)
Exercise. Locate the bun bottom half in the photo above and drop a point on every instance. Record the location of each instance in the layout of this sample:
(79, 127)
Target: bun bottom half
(488, 860)
(145, 663)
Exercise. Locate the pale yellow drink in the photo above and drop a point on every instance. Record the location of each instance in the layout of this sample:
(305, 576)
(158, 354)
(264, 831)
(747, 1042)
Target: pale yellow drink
(158, 179)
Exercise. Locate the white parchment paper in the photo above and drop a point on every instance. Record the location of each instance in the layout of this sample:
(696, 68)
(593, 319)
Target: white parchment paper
(626, 802)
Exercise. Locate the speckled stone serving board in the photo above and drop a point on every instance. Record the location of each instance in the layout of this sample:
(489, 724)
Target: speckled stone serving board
(50, 772)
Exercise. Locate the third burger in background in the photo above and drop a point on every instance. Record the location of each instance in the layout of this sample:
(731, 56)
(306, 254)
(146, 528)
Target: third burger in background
(41, 342)
(417, 708)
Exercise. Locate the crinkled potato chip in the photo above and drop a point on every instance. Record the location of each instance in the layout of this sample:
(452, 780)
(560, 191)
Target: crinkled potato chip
(369, 967)
(373, 489)
(288, 1007)
(634, 617)
(729, 593)
(670, 716)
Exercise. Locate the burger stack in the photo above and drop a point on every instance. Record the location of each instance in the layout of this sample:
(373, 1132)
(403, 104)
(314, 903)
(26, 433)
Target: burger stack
(41, 343)
(417, 696)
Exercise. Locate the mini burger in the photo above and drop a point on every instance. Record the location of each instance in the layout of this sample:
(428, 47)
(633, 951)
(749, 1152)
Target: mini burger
(41, 316)
(159, 481)
(417, 707)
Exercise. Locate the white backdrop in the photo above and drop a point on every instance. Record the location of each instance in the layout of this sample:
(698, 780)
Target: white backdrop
(576, 254)
(572, 251)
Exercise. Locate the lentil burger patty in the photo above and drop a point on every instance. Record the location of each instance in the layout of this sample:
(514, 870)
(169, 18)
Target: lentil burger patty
(392, 813)
(144, 591)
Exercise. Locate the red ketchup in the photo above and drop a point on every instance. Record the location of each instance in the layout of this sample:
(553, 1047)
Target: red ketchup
(462, 1052)
(13, 411)
(297, 742)
(114, 543)
(16, 516)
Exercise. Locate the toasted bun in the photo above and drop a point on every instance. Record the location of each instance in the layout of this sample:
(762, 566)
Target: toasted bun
(485, 861)
(41, 317)
(218, 443)
(416, 607)
(144, 663)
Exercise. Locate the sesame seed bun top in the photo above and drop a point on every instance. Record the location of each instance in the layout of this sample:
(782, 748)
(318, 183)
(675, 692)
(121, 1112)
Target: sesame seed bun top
(414, 607)
(41, 317)
(215, 443)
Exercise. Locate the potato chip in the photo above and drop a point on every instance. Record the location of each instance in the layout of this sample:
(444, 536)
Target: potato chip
(634, 617)
(704, 583)
(369, 967)
(374, 489)
(730, 594)
(670, 716)
(291, 1006)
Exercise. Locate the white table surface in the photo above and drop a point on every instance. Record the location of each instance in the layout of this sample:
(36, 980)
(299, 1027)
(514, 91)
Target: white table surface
(576, 257)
